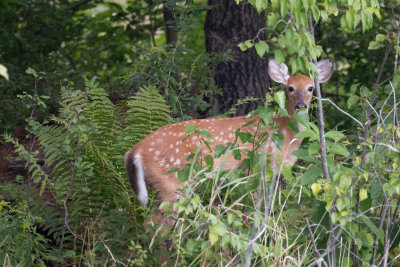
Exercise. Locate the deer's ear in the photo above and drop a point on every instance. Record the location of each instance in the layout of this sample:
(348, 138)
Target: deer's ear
(278, 73)
(325, 69)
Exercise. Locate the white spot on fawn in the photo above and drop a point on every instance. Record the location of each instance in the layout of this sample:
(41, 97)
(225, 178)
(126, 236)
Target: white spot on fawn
(171, 159)
(177, 150)
(151, 149)
(157, 152)
(178, 162)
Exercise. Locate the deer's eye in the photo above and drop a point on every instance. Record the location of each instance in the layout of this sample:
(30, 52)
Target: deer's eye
(310, 89)
(291, 89)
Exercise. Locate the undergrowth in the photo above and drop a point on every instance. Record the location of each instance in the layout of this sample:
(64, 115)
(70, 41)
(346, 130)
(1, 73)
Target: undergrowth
(256, 214)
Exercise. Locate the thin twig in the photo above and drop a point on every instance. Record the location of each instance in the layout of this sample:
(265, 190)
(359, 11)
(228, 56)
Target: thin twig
(381, 220)
(112, 256)
(341, 110)
(320, 258)
(321, 125)
(388, 146)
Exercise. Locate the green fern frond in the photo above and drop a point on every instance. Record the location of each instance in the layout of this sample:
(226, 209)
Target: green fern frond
(147, 112)
(30, 159)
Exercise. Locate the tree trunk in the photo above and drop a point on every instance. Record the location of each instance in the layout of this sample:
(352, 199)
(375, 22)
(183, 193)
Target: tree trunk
(226, 25)
(170, 26)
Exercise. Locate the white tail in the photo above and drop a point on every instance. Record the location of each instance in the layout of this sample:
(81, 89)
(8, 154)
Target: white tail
(149, 161)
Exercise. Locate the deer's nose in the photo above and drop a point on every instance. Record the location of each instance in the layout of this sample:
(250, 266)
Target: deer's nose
(300, 106)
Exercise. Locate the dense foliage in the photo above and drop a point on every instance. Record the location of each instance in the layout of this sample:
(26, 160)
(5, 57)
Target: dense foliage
(338, 210)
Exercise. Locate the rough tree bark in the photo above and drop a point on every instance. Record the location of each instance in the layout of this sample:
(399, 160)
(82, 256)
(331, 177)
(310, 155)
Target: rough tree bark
(226, 25)
(170, 25)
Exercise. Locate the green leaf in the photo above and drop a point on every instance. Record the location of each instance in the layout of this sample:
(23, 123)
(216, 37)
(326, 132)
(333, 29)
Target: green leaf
(316, 188)
(280, 99)
(300, 153)
(308, 133)
(293, 126)
(190, 128)
(272, 18)
(376, 192)
(242, 46)
(337, 149)
(380, 37)
(275, 4)
(204, 132)
(236, 154)
(324, 16)
(335, 135)
(363, 194)
(350, 19)
(261, 48)
(367, 238)
(315, 12)
(345, 182)
(220, 228)
(219, 150)
(278, 139)
(313, 174)
(32, 72)
(366, 20)
(265, 115)
(373, 45)
(279, 56)
(302, 117)
(244, 137)
(231, 218)
(209, 162)
(3, 72)
(245, 45)
(313, 149)
(357, 20)
(352, 100)
(287, 171)
(260, 5)
(212, 237)
(283, 7)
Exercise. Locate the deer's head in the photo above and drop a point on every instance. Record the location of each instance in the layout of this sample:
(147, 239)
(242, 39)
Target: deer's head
(299, 88)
